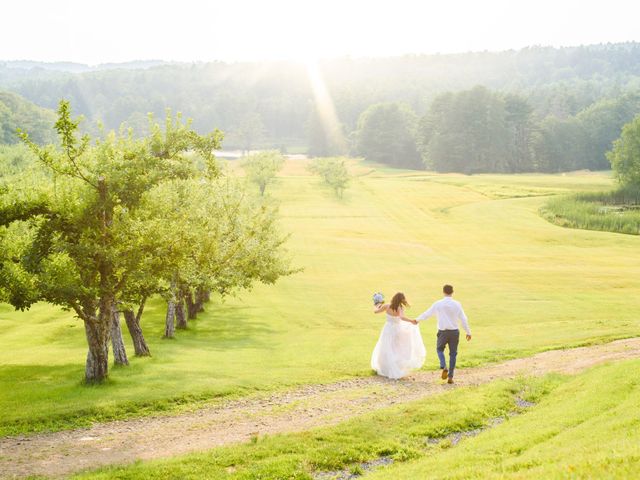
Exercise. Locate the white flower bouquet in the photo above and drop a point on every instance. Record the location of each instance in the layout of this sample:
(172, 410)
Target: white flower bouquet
(378, 298)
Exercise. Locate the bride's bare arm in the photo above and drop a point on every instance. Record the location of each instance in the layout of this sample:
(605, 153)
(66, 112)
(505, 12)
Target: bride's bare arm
(407, 319)
(381, 307)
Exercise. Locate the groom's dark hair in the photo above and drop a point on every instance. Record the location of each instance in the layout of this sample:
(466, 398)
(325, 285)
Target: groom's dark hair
(447, 289)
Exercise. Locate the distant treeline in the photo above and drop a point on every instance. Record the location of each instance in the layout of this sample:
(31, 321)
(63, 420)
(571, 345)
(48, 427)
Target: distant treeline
(546, 109)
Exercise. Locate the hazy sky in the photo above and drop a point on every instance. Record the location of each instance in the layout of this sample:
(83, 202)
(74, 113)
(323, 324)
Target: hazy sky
(94, 32)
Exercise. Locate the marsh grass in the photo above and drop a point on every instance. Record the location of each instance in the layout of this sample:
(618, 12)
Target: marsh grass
(614, 211)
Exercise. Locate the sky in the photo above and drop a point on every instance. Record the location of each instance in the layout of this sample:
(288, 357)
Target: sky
(94, 32)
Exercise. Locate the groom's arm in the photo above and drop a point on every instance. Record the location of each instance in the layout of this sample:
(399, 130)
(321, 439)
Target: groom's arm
(427, 313)
(465, 321)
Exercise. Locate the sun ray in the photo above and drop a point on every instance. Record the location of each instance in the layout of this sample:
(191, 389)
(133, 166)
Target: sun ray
(325, 107)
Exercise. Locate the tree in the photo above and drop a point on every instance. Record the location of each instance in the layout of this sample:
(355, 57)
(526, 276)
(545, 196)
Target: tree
(248, 132)
(333, 172)
(520, 127)
(386, 133)
(261, 168)
(625, 155)
(602, 123)
(79, 244)
(559, 145)
(226, 241)
(472, 131)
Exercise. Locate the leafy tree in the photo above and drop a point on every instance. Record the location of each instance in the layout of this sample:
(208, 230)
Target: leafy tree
(559, 145)
(262, 167)
(602, 123)
(625, 155)
(249, 132)
(75, 244)
(520, 127)
(225, 240)
(477, 130)
(386, 134)
(333, 172)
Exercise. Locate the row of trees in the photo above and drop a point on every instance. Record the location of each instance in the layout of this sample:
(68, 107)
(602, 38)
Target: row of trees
(97, 227)
(479, 130)
(263, 105)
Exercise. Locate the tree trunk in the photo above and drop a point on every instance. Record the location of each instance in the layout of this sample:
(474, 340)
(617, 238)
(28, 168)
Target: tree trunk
(170, 328)
(192, 308)
(133, 324)
(180, 313)
(97, 329)
(207, 296)
(200, 296)
(119, 352)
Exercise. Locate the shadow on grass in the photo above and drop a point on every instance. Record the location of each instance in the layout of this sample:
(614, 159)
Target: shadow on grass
(226, 328)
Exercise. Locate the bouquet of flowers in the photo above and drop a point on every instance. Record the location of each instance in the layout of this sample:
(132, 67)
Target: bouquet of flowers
(378, 298)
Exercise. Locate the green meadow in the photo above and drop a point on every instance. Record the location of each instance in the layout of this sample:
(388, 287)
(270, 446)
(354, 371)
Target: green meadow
(527, 285)
(584, 426)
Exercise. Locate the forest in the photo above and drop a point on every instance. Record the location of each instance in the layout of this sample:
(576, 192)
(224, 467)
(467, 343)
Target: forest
(536, 109)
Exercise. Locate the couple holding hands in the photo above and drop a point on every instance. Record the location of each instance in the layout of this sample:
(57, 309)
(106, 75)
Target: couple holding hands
(400, 348)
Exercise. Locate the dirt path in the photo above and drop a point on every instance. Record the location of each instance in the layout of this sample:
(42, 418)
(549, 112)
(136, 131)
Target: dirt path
(120, 442)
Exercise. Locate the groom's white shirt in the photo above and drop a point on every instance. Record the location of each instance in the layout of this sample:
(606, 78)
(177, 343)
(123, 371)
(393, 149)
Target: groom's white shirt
(447, 311)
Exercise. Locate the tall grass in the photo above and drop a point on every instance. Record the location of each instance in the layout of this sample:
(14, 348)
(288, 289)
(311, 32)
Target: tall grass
(614, 211)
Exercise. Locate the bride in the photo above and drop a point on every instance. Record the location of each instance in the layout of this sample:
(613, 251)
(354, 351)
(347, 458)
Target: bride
(399, 349)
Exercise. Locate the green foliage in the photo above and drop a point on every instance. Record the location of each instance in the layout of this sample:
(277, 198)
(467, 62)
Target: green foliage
(615, 211)
(212, 235)
(477, 131)
(14, 159)
(625, 156)
(587, 93)
(17, 113)
(387, 134)
(602, 123)
(559, 145)
(261, 168)
(128, 218)
(333, 172)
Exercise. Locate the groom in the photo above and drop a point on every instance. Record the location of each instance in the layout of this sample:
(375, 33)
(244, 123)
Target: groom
(448, 312)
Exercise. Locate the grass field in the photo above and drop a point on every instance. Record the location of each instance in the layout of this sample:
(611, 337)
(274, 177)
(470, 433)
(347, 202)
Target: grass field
(526, 284)
(578, 427)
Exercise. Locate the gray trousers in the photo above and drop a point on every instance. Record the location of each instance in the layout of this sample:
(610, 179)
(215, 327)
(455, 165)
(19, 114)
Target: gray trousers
(451, 338)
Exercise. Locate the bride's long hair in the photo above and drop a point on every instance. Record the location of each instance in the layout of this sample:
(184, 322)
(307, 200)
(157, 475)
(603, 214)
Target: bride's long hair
(398, 300)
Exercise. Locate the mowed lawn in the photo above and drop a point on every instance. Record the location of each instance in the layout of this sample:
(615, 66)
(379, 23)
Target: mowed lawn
(526, 285)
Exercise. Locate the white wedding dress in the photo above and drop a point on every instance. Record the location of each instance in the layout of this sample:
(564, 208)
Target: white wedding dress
(399, 349)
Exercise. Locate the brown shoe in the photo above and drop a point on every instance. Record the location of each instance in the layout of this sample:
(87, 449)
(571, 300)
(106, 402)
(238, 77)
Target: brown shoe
(450, 380)
(445, 374)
